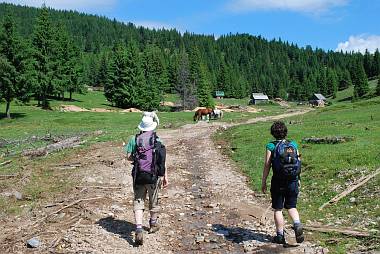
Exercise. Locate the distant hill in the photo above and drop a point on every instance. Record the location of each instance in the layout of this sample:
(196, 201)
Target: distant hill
(237, 64)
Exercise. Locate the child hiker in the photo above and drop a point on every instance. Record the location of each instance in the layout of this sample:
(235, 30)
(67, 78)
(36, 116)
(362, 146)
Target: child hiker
(148, 155)
(283, 157)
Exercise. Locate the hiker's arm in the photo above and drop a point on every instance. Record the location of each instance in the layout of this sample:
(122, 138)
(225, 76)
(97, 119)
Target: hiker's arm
(128, 149)
(267, 164)
(165, 181)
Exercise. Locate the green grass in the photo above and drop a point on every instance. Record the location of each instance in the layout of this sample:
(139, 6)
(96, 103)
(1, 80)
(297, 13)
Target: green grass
(89, 100)
(346, 94)
(327, 169)
(232, 101)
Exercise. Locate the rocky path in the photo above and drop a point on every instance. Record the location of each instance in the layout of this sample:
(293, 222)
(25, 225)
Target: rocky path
(207, 208)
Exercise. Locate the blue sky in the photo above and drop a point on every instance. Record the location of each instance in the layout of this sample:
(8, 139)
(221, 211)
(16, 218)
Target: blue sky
(328, 24)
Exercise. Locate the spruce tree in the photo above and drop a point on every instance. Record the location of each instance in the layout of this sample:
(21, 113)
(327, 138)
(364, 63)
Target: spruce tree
(359, 80)
(12, 64)
(332, 83)
(124, 77)
(203, 90)
(156, 78)
(376, 63)
(185, 87)
(44, 59)
(378, 86)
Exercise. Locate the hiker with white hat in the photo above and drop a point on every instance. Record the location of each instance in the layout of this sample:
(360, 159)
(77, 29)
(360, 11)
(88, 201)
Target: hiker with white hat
(153, 115)
(148, 154)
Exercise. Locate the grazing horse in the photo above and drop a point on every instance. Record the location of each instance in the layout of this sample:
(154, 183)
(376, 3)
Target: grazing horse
(202, 112)
(217, 114)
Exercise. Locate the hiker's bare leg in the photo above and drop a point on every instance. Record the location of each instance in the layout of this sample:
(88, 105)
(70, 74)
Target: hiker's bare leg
(293, 213)
(153, 216)
(139, 217)
(279, 220)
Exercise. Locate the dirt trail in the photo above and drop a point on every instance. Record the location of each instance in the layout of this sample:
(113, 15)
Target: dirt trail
(207, 208)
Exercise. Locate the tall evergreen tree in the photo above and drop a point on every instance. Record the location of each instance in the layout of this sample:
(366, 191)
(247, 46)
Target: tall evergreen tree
(378, 86)
(332, 83)
(359, 80)
(376, 63)
(185, 87)
(12, 64)
(44, 58)
(203, 90)
(124, 76)
(156, 78)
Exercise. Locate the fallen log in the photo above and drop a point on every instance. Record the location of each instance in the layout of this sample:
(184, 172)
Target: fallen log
(67, 143)
(328, 140)
(344, 231)
(361, 182)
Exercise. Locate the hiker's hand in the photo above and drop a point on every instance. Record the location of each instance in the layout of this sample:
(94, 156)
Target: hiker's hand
(264, 187)
(165, 182)
(299, 184)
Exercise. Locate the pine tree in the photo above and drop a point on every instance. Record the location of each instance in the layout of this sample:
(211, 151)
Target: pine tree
(378, 86)
(359, 80)
(12, 64)
(332, 83)
(101, 75)
(156, 78)
(184, 86)
(367, 63)
(376, 63)
(203, 90)
(44, 48)
(124, 77)
(345, 81)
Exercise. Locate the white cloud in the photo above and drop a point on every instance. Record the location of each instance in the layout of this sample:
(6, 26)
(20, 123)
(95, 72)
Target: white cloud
(360, 43)
(308, 6)
(80, 5)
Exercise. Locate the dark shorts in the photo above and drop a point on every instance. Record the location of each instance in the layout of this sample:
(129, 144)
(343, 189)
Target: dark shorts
(284, 194)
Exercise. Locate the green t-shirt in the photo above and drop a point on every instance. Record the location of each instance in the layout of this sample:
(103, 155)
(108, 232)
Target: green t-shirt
(131, 146)
(272, 145)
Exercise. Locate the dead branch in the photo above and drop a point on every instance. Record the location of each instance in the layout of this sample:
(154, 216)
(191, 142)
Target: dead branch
(67, 143)
(65, 207)
(8, 176)
(99, 187)
(5, 163)
(361, 182)
(344, 231)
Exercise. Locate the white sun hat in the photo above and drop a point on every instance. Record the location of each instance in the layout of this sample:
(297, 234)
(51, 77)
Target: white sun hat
(147, 124)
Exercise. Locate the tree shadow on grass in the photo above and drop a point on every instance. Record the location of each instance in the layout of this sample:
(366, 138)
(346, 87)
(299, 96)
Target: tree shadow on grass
(13, 115)
(346, 99)
(120, 227)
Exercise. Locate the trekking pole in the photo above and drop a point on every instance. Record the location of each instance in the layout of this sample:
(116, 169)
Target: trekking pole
(158, 185)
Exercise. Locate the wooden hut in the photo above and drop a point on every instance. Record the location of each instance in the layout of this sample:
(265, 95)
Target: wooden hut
(259, 98)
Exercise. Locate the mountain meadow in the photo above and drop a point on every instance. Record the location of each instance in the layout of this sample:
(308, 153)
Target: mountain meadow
(72, 77)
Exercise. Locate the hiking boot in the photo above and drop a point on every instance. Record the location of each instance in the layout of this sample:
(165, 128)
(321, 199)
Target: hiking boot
(298, 231)
(139, 237)
(280, 239)
(154, 227)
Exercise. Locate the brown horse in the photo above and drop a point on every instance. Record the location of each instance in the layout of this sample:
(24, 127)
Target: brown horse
(202, 112)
